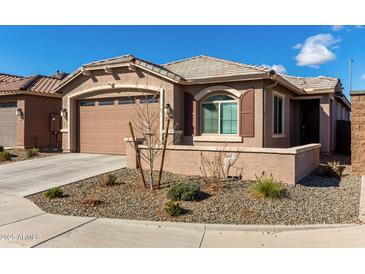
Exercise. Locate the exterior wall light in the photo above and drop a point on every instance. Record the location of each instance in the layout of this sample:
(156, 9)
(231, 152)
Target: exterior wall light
(19, 112)
(169, 111)
(63, 113)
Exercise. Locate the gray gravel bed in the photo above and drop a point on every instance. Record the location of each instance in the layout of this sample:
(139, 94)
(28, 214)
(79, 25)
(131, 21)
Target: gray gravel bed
(315, 200)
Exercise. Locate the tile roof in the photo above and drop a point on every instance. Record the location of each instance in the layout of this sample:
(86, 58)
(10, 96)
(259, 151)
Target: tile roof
(206, 67)
(9, 78)
(17, 84)
(312, 83)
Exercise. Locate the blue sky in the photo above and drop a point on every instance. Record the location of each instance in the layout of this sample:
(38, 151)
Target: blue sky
(300, 50)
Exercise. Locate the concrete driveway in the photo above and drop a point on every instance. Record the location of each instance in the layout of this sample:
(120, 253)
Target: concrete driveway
(32, 176)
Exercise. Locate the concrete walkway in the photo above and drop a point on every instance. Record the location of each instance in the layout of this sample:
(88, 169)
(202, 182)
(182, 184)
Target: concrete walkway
(31, 176)
(22, 224)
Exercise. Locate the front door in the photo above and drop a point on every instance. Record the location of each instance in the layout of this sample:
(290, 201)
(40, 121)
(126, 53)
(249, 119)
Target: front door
(310, 121)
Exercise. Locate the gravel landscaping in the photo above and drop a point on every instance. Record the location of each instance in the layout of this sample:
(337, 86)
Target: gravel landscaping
(316, 200)
(19, 154)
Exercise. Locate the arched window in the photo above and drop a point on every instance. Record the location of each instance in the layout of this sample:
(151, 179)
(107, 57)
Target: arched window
(219, 115)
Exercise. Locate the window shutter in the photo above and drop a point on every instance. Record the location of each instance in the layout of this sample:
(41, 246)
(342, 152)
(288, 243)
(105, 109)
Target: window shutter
(188, 114)
(247, 114)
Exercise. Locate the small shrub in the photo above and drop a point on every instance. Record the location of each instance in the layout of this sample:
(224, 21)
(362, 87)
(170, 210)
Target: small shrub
(92, 201)
(1, 148)
(5, 156)
(334, 169)
(267, 187)
(32, 152)
(184, 191)
(53, 193)
(330, 170)
(173, 208)
(108, 180)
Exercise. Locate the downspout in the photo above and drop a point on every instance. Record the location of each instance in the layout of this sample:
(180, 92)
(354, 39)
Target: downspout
(265, 89)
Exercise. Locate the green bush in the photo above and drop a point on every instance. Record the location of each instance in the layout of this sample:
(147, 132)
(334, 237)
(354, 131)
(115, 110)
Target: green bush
(173, 208)
(5, 156)
(53, 193)
(184, 191)
(32, 152)
(109, 180)
(267, 187)
(1, 148)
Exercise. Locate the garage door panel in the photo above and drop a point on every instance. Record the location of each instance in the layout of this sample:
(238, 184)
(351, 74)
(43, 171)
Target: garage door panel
(102, 128)
(8, 124)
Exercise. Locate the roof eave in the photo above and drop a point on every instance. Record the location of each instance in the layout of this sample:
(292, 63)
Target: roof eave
(287, 84)
(344, 100)
(231, 78)
(27, 92)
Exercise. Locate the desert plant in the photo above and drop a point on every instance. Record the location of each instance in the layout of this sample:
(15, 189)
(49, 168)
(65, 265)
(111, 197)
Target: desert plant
(53, 193)
(330, 170)
(1, 148)
(218, 166)
(32, 152)
(267, 187)
(334, 169)
(173, 208)
(184, 191)
(109, 180)
(92, 201)
(5, 156)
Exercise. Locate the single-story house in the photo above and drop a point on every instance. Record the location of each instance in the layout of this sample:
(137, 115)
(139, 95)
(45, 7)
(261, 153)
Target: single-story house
(30, 111)
(215, 102)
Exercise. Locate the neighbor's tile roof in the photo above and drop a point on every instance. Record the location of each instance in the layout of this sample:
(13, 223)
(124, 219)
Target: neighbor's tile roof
(9, 78)
(312, 83)
(207, 67)
(10, 84)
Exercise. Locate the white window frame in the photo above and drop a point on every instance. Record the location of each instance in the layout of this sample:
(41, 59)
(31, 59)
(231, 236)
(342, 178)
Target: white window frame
(278, 135)
(219, 115)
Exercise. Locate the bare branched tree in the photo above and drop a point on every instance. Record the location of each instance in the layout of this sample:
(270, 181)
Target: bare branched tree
(147, 127)
(218, 167)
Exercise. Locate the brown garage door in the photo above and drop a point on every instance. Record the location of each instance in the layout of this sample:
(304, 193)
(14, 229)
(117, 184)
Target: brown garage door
(103, 124)
(8, 124)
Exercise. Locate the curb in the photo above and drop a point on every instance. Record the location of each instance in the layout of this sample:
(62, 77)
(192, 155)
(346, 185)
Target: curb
(228, 227)
(362, 200)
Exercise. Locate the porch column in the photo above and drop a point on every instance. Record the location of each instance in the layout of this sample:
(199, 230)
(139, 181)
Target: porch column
(325, 124)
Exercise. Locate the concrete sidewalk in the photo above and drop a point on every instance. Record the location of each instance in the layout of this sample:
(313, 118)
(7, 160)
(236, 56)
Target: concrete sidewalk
(31, 176)
(22, 224)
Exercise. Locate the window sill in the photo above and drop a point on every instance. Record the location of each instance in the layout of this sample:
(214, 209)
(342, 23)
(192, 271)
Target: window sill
(218, 138)
(277, 136)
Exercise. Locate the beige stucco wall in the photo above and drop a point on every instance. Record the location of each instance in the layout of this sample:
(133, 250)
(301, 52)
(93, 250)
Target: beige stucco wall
(325, 123)
(270, 139)
(287, 165)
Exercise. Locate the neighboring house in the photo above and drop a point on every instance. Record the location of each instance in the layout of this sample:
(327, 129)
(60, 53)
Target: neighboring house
(215, 102)
(29, 111)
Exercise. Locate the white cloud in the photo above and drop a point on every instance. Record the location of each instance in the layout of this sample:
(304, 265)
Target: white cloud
(278, 68)
(297, 46)
(363, 77)
(337, 28)
(316, 50)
